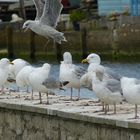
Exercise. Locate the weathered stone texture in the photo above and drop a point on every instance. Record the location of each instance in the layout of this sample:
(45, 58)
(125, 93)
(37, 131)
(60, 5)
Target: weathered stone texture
(22, 125)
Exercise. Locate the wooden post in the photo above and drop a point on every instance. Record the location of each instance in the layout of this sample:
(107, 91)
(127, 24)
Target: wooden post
(58, 46)
(84, 42)
(32, 46)
(22, 9)
(115, 39)
(58, 52)
(9, 41)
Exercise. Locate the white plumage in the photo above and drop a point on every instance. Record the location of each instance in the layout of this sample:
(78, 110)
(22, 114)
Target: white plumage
(107, 89)
(70, 72)
(131, 91)
(22, 78)
(4, 71)
(37, 77)
(104, 82)
(18, 65)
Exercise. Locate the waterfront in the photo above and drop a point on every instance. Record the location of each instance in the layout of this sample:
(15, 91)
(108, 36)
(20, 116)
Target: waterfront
(124, 69)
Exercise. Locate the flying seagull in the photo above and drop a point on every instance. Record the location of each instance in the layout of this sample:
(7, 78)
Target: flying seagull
(47, 16)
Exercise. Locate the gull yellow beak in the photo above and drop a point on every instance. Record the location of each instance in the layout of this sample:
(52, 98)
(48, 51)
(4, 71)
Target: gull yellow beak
(85, 61)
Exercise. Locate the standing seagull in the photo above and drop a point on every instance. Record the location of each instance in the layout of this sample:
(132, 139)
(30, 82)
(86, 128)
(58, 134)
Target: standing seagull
(94, 61)
(16, 68)
(37, 77)
(48, 13)
(131, 91)
(18, 65)
(41, 81)
(22, 78)
(70, 72)
(107, 89)
(4, 71)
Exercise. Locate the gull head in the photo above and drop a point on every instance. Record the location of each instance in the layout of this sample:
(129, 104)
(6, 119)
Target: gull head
(67, 58)
(92, 58)
(46, 66)
(15, 16)
(27, 24)
(5, 62)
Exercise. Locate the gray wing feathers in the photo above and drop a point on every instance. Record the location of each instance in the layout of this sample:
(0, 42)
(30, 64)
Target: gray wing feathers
(51, 83)
(79, 71)
(86, 81)
(51, 13)
(137, 81)
(112, 74)
(113, 85)
(39, 4)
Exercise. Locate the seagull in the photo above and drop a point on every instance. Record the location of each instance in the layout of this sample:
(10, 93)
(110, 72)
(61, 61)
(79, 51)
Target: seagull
(22, 78)
(18, 65)
(131, 91)
(70, 72)
(37, 77)
(94, 61)
(107, 89)
(15, 69)
(48, 13)
(4, 71)
(16, 18)
(41, 82)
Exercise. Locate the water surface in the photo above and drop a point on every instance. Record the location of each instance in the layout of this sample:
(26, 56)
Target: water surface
(124, 69)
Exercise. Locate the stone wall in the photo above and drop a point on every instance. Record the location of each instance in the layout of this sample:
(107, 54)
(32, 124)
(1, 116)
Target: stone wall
(20, 125)
(26, 122)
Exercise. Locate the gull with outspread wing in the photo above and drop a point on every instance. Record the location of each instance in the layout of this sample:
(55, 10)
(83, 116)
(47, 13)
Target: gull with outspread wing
(47, 16)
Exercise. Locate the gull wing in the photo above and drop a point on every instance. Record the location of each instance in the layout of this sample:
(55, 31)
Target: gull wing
(51, 12)
(137, 82)
(86, 80)
(112, 74)
(113, 85)
(39, 5)
(78, 71)
(50, 83)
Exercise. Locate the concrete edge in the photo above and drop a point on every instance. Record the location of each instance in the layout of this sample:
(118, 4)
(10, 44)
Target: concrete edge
(69, 115)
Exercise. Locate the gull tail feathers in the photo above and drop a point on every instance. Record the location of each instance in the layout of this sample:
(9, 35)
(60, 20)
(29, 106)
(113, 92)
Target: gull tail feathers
(60, 37)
